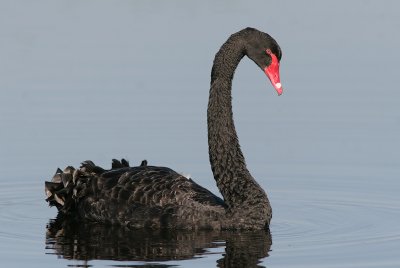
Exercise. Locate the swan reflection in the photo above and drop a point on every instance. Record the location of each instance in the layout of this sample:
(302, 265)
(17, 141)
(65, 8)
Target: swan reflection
(90, 241)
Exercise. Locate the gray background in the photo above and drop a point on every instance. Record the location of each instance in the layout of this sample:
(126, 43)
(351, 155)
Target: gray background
(109, 79)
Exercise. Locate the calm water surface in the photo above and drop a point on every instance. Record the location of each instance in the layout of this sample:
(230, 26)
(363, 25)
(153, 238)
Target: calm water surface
(109, 79)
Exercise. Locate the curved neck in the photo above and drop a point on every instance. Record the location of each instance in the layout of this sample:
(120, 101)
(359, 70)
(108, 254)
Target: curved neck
(227, 161)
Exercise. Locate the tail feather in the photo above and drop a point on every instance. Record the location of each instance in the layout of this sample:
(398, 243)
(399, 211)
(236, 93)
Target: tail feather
(51, 187)
(57, 176)
(66, 178)
(124, 162)
(68, 186)
(89, 167)
(119, 164)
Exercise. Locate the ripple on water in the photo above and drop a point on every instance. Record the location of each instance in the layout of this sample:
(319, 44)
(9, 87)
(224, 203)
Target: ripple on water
(325, 223)
(320, 226)
(21, 212)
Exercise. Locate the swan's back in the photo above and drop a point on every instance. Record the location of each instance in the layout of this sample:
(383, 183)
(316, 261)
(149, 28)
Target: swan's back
(137, 197)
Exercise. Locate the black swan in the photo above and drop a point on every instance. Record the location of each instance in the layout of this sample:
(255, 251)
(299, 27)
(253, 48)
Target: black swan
(158, 197)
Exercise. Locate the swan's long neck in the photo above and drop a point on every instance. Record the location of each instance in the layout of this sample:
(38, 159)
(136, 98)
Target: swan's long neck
(237, 186)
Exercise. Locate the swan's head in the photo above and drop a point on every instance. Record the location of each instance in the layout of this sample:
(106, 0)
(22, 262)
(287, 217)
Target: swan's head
(266, 53)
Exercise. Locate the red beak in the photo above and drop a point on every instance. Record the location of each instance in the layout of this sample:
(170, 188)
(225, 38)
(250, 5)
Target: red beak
(272, 71)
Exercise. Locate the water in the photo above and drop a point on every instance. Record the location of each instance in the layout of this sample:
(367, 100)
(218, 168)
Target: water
(110, 79)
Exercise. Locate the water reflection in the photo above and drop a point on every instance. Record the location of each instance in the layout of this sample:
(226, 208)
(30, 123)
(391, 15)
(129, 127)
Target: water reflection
(89, 241)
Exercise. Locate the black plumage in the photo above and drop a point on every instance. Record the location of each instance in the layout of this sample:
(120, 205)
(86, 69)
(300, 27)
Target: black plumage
(157, 197)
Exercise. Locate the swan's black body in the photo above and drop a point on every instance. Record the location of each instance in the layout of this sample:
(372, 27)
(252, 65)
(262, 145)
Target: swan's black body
(158, 197)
